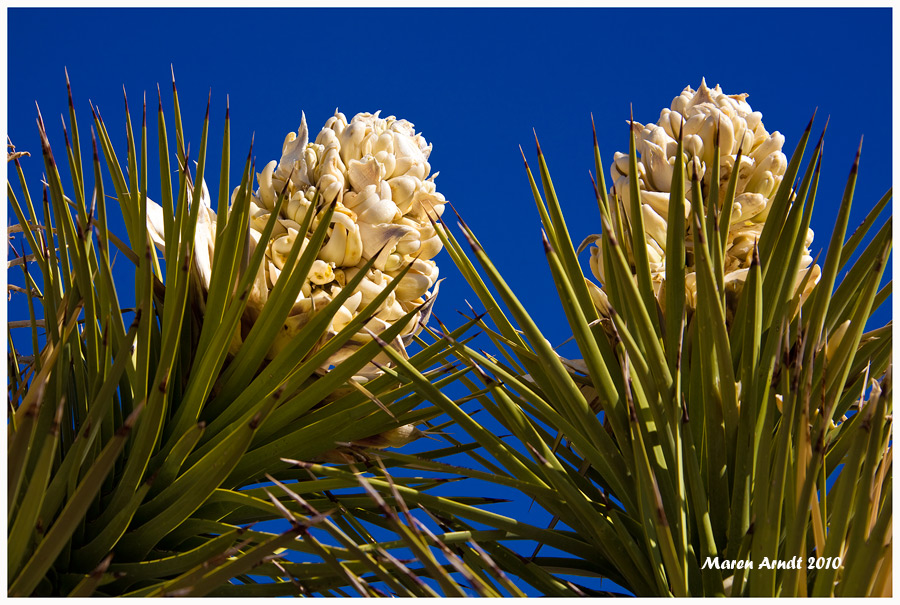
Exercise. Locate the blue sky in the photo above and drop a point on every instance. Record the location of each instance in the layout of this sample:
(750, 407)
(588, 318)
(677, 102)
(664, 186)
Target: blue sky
(475, 83)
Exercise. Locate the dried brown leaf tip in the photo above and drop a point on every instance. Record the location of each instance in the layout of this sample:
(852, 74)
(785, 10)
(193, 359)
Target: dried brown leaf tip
(537, 143)
(12, 154)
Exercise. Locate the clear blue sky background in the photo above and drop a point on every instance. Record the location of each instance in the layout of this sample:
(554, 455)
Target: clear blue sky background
(475, 83)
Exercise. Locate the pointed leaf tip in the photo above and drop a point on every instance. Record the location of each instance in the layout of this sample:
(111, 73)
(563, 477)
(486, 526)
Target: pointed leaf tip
(547, 247)
(465, 231)
(68, 87)
(458, 215)
(537, 143)
(40, 117)
(821, 141)
(65, 132)
(855, 168)
(694, 168)
(45, 142)
(594, 185)
(609, 231)
(809, 126)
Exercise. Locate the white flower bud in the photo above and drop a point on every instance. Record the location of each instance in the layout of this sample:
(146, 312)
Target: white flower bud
(365, 172)
(321, 272)
(402, 190)
(266, 190)
(412, 286)
(835, 339)
(410, 159)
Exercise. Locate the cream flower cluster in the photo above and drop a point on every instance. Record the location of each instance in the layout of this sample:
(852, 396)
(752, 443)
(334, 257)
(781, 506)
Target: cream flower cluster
(376, 171)
(762, 166)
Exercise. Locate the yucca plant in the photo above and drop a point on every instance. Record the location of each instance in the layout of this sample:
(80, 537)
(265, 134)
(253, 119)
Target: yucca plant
(728, 428)
(141, 458)
(146, 439)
